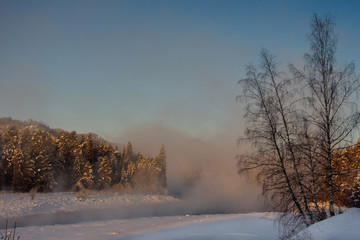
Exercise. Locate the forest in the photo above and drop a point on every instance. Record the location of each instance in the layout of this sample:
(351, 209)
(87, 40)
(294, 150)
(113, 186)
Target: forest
(36, 157)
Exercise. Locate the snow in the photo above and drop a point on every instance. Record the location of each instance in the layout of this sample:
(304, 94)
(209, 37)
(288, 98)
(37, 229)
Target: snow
(230, 226)
(20, 204)
(342, 226)
(116, 216)
(111, 216)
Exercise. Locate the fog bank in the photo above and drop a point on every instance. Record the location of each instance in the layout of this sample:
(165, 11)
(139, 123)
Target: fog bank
(201, 172)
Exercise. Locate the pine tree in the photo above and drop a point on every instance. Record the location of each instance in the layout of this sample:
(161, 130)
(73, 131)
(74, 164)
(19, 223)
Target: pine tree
(41, 153)
(104, 172)
(10, 143)
(79, 166)
(87, 179)
(113, 165)
(89, 149)
(161, 164)
(26, 160)
(150, 173)
(146, 175)
(129, 164)
(117, 167)
(18, 168)
(129, 153)
(102, 151)
(66, 146)
(20, 175)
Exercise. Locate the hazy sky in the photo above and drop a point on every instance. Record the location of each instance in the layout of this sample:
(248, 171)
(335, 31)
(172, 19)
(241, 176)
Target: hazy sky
(111, 66)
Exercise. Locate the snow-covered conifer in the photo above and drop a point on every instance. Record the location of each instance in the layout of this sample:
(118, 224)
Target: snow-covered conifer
(66, 146)
(89, 149)
(161, 162)
(104, 172)
(87, 179)
(42, 154)
(79, 166)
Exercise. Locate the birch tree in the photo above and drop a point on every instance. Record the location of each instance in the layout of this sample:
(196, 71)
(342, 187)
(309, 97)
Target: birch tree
(330, 91)
(299, 125)
(272, 126)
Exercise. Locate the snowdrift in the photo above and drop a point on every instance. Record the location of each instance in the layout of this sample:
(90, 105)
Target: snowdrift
(343, 226)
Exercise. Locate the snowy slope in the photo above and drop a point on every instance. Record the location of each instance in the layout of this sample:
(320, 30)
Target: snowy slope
(343, 226)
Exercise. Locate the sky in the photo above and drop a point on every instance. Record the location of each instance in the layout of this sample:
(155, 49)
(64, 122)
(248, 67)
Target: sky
(121, 68)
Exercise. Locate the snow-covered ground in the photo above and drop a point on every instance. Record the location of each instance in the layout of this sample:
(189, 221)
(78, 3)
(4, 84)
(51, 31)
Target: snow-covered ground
(204, 227)
(343, 226)
(20, 204)
(146, 217)
(116, 216)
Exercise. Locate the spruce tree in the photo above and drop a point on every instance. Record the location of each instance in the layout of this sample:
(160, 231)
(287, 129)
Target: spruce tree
(129, 164)
(66, 147)
(87, 179)
(104, 172)
(161, 162)
(26, 160)
(10, 142)
(89, 149)
(42, 155)
(102, 151)
(117, 168)
(79, 167)
(17, 171)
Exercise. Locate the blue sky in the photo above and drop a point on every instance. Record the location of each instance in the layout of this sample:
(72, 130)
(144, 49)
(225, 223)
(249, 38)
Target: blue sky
(110, 66)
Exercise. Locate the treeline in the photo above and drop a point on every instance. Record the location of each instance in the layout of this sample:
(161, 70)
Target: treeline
(33, 156)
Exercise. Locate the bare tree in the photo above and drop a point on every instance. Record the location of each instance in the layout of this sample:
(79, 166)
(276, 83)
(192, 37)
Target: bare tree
(273, 127)
(330, 92)
(312, 170)
(298, 126)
